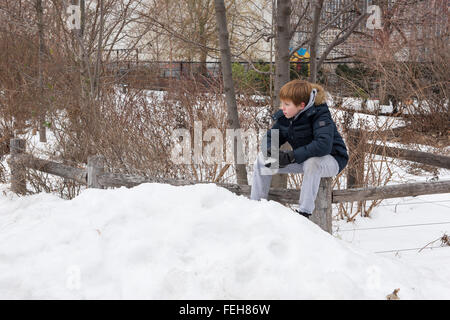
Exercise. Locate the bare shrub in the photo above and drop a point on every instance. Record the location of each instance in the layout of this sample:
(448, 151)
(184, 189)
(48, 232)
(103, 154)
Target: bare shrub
(365, 169)
(133, 130)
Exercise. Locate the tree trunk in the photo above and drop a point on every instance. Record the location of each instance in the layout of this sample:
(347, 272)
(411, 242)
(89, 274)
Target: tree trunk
(355, 168)
(81, 52)
(203, 51)
(316, 60)
(95, 90)
(314, 44)
(230, 97)
(42, 111)
(282, 40)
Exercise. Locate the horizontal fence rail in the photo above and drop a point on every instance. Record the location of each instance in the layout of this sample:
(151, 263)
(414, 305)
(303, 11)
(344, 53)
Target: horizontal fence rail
(94, 176)
(102, 179)
(411, 155)
(58, 169)
(291, 195)
(391, 191)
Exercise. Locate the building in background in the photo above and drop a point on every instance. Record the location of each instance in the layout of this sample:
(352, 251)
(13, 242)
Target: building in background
(407, 25)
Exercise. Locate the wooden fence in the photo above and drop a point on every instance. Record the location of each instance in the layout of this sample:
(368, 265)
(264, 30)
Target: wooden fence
(94, 176)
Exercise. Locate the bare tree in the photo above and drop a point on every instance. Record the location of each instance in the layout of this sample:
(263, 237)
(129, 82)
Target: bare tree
(95, 86)
(282, 19)
(40, 25)
(344, 30)
(313, 47)
(282, 40)
(233, 116)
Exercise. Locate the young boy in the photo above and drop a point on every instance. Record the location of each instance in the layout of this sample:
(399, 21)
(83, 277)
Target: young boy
(318, 149)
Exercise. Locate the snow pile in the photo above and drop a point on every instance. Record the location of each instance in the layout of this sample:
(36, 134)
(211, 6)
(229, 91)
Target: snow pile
(158, 241)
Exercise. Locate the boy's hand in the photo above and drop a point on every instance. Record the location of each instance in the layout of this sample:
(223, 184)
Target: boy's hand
(284, 158)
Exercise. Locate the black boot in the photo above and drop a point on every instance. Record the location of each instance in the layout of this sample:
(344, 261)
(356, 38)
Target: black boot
(305, 214)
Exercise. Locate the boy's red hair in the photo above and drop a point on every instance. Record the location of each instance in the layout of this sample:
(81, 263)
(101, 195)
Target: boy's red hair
(297, 91)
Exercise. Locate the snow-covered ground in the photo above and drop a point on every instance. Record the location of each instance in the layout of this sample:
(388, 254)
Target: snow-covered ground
(405, 229)
(200, 242)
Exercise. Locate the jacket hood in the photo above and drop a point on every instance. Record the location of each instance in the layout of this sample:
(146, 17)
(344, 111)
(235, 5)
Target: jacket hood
(321, 96)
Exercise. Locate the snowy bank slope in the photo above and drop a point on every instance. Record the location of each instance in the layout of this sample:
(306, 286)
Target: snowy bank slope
(195, 242)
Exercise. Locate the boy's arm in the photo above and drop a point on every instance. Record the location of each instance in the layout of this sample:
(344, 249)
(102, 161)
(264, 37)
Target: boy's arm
(323, 132)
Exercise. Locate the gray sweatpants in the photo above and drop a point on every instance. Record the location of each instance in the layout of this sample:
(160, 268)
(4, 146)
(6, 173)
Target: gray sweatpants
(313, 169)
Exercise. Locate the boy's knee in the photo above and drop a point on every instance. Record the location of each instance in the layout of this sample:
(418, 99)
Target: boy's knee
(312, 164)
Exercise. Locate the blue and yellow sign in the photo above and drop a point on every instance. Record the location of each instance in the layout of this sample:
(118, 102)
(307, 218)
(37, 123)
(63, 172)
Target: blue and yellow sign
(300, 55)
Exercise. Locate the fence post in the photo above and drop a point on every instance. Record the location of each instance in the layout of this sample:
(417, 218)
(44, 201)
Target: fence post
(95, 167)
(322, 214)
(355, 168)
(18, 171)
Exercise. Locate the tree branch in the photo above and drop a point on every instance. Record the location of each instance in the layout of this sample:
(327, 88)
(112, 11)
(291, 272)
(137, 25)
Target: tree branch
(338, 40)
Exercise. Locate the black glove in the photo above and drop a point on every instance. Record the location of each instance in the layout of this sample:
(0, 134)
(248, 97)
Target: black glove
(284, 158)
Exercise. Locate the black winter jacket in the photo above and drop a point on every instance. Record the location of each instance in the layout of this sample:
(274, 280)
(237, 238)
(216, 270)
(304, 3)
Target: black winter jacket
(312, 134)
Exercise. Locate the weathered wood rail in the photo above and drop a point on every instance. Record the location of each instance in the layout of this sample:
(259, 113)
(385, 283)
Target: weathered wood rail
(292, 195)
(411, 155)
(94, 176)
(358, 147)
(58, 169)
